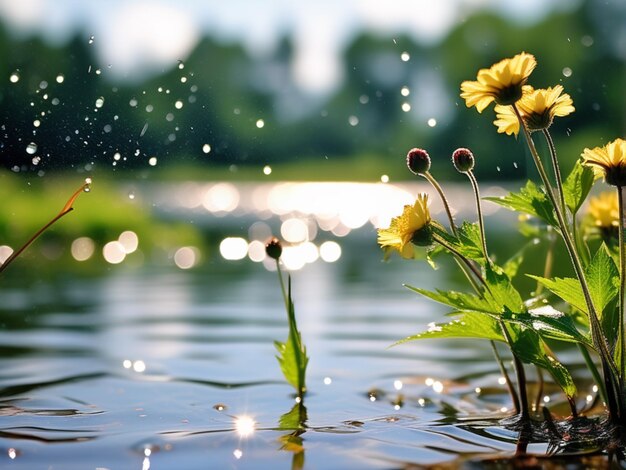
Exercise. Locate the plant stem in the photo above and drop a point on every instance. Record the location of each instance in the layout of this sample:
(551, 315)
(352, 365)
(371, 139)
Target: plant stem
(444, 200)
(547, 269)
(282, 286)
(608, 364)
(557, 170)
(622, 284)
(505, 374)
(519, 372)
(594, 372)
(481, 223)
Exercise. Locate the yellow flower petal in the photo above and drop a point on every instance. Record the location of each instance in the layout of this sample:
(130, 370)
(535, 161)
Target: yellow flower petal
(402, 229)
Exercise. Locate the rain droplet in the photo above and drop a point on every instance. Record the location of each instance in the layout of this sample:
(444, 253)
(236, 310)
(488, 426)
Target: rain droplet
(404, 91)
(260, 123)
(15, 77)
(36, 160)
(514, 164)
(100, 102)
(60, 78)
(131, 195)
(353, 121)
(432, 122)
(405, 56)
(178, 104)
(152, 161)
(181, 65)
(36, 123)
(206, 148)
(406, 107)
(91, 38)
(31, 148)
(567, 72)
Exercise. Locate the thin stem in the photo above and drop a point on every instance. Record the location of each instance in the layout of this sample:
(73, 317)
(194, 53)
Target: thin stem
(622, 284)
(547, 268)
(282, 285)
(505, 374)
(444, 200)
(557, 170)
(594, 372)
(481, 223)
(594, 322)
(465, 261)
(519, 372)
(539, 388)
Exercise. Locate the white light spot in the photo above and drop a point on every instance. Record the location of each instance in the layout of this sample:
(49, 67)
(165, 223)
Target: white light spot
(60, 78)
(82, 248)
(256, 251)
(36, 123)
(206, 148)
(129, 240)
(233, 248)
(502, 381)
(186, 257)
(438, 387)
(294, 230)
(429, 382)
(113, 252)
(594, 389)
(267, 170)
(405, 56)
(238, 453)
(432, 122)
(477, 390)
(504, 409)
(31, 148)
(327, 380)
(397, 384)
(421, 401)
(589, 398)
(260, 123)
(221, 197)
(178, 104)
(404, 91)
(546, 399)
(12, 453)
(406, 107)
(5, 252)
(152, 161)
(14, 78)
(127, 363)
(244, 425)
(139, 366)
(567, 72)
(353, 121)
(384, 179)
(100, 102)
(330, 251)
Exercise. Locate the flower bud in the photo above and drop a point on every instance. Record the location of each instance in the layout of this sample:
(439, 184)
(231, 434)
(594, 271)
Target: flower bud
(273, 248)
(463, 160)
(418, 161)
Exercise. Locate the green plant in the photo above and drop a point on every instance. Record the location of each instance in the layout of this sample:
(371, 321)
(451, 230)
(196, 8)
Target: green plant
(585, 308)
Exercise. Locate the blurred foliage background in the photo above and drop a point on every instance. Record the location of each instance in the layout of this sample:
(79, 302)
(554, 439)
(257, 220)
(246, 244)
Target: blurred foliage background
(202, 118)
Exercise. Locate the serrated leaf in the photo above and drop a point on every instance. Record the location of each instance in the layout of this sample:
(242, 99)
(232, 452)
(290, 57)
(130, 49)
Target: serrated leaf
(467, 325)
(501, 290)
(601, 274)
(457, 300)
(530, 200)
(529, 347)
(467, 243)
(549, 324)
(566, 288)
(577, 185)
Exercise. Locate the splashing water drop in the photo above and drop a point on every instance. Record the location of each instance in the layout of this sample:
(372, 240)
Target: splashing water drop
(100, 102)
(31, 148)
(36, 160)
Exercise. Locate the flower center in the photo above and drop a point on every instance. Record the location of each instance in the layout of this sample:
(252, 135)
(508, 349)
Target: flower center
(509, 95)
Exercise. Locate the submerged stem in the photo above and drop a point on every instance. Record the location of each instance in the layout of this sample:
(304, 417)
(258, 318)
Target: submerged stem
(505, 374)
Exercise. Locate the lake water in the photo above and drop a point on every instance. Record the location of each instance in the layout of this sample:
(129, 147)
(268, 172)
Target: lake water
(155, 367)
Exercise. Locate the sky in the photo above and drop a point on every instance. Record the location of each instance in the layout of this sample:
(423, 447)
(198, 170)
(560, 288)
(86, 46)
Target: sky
(136, 37)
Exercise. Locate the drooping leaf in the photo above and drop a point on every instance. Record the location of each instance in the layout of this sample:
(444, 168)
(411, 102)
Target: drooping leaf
(529, 200)
(467, 325)
(577, 185)
(528, 346)
(566, 288)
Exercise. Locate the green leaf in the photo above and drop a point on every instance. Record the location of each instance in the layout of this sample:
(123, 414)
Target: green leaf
(549, 324)
(529, 347)
(601, 274)
(467, 243)
(294, 419)
(457, 300)
(501, 290)
(292, 356)
(530, 200)
(567, 289)
(468, 325)
(577, 185)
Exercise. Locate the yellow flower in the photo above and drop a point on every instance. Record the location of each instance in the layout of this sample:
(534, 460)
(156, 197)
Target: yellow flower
(404, 228)
(604, 210)
(537, 107)
(502, 82)
(608, 161)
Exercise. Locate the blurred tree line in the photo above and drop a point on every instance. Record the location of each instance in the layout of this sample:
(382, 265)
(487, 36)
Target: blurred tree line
(222, 107)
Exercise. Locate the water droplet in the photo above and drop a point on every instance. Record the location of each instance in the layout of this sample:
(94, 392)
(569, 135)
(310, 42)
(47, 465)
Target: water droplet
(36, 123)
(364, 99)
(406, 107)
(131, 195)
(405, 56)
(220, 407)
(514, 164)
(87, 186)
(260, 123)
(586, 41)
(43, 85)
(181, 65)
(91, 39)
(15, 77)
(100, 102)
(133, 102)
(31, 148)
(152, 161)
(432, 122)
(206, 148)
(404, 91)
(353, 121)
(567, 72)
(143, 130)
(498, 169)
(178, 104)
(183, 79)
(36, 160)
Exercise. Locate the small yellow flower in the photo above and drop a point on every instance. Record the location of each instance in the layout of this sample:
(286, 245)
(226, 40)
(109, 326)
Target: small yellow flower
(403, 229)
(608, 161)
(502, 82)
(537, 108)
(604, 210)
